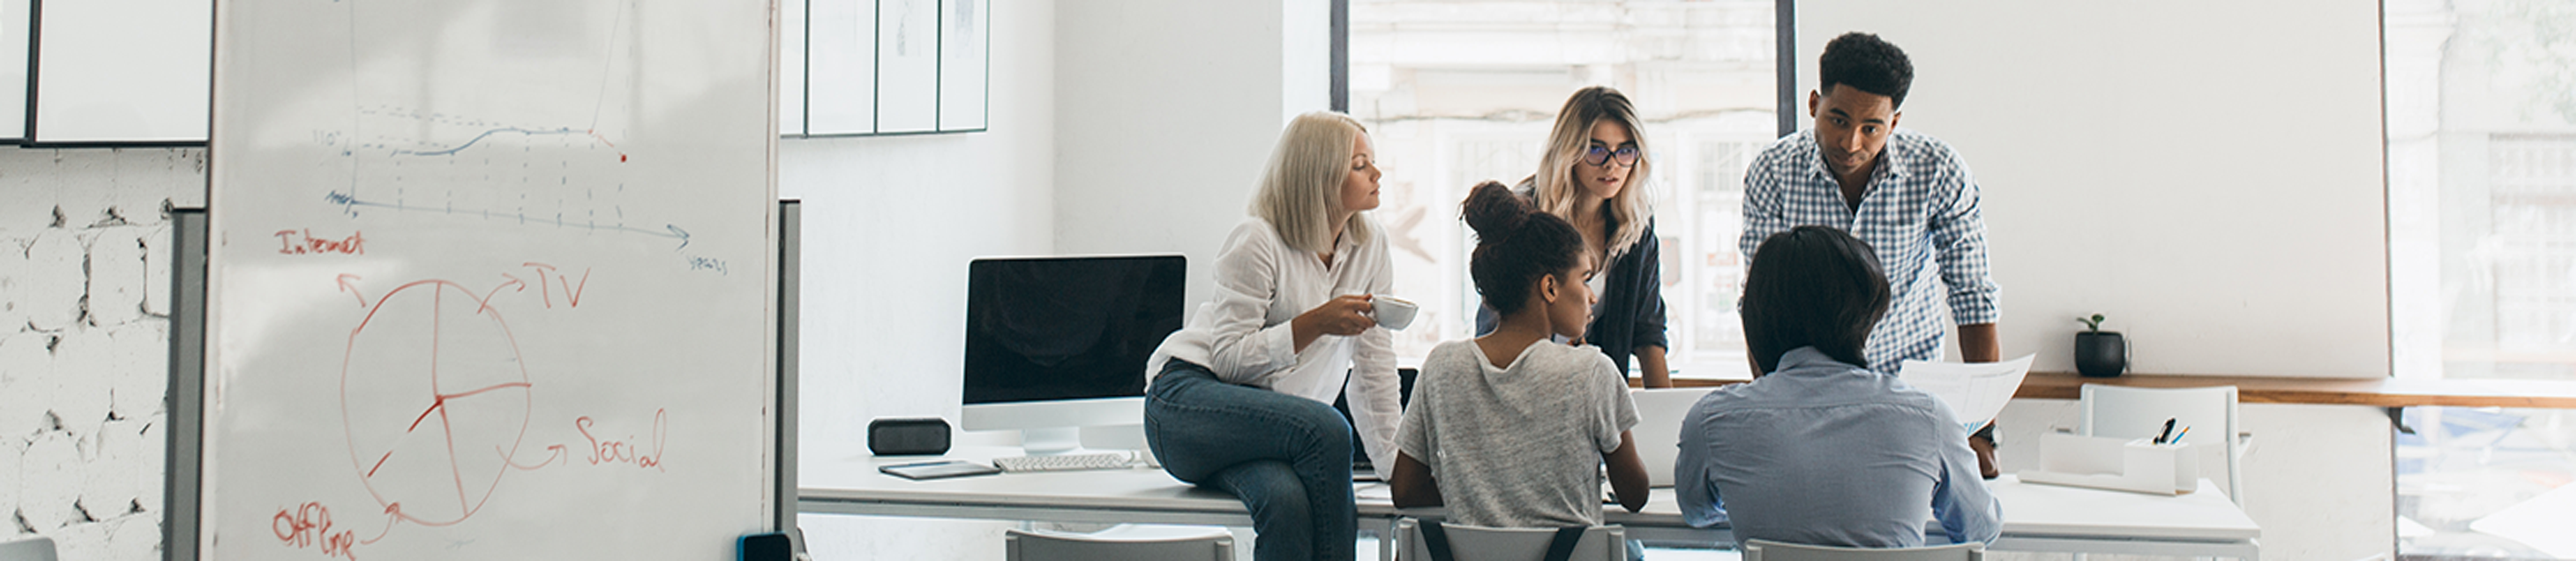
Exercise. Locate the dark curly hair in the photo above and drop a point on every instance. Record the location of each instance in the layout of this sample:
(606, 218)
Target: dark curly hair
(1812, 286)
(1515, 245)
(1862, 60)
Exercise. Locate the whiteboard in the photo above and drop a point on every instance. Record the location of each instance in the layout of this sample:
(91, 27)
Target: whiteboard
(2140, 160)
(121, 71)
(490, 279)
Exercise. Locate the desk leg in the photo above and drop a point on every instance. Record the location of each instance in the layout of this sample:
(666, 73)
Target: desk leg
(1386, 539)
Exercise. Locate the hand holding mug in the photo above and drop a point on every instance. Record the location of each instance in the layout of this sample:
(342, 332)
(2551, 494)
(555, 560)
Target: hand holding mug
(1345, 315)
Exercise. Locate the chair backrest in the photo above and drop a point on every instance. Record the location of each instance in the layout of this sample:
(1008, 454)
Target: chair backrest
(2125, 412)
(1766, 550)
(33, 549)
(1036, 546)
(1659, 428)
(1479, 543)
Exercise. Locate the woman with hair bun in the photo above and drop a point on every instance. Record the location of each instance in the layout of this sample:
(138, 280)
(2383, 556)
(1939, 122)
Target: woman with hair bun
(1511, 429)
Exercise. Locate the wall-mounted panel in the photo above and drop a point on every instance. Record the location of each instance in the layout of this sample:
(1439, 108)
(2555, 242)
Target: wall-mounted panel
(965, 55)
(17, 23)
(842, 68)
(122, 71)
(791, 67)
(907, 66)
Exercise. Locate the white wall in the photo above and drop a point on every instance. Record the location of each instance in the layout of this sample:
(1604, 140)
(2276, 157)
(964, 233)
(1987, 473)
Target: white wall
(890, 223)
(1166, 111)
(2205, 172)
(84, 343)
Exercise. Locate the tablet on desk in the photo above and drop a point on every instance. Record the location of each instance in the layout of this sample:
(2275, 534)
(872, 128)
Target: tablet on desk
(938, 470)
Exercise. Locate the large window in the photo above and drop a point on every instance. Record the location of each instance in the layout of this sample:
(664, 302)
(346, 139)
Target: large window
(1455, 93)
(2482, 258)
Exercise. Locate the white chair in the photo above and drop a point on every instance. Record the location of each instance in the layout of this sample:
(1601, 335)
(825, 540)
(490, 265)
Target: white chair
(39, 548)
(1021, 545)
(1479, 543)
(1767, 550)
(2125, 412)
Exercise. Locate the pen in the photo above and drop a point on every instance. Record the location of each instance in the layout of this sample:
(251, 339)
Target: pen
(2160, 437)
(2178, 436)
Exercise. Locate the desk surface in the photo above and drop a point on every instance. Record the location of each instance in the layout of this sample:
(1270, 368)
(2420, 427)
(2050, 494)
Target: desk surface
(2030, 510)
(2375, 392)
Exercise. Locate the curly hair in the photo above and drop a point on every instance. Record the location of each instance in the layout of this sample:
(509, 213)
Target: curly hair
(1864, 61)
(1515, 245)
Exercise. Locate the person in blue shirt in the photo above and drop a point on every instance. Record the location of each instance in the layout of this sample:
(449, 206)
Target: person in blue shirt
(1906, 193)
(1819, 449)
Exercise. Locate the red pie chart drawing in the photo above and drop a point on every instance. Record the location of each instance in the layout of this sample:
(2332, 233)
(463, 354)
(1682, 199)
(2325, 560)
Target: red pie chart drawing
(435, 399)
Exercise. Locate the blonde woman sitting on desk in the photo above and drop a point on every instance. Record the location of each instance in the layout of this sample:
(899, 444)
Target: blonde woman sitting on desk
(1241, 398)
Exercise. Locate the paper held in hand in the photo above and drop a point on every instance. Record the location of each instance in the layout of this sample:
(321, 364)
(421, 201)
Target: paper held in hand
(1975, 392)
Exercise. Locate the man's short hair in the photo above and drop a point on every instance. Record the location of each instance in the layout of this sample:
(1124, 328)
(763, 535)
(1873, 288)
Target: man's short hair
(1812, 286)
(1864, 61)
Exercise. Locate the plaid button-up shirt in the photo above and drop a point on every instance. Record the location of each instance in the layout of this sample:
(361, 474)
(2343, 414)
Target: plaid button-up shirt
(1921, 215)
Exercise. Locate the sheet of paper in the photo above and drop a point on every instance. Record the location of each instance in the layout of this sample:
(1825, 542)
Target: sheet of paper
(1976, 392)
(1373, 492)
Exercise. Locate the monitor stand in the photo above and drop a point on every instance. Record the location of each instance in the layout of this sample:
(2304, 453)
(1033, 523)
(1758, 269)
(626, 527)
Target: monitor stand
(1052, 441)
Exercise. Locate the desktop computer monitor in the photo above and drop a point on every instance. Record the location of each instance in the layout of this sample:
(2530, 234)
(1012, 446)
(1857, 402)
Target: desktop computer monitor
(1054, 344)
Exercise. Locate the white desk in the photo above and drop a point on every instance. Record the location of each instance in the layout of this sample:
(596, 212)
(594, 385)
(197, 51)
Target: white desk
(2036, 517)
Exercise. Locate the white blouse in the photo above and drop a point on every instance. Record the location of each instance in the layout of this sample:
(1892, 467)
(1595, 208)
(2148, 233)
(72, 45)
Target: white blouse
(1243, 335)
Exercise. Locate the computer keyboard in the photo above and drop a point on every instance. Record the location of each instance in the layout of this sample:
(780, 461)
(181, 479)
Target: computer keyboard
(1063, 462)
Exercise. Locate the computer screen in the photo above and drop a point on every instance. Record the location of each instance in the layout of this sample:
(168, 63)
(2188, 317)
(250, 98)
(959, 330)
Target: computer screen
(1067, 328)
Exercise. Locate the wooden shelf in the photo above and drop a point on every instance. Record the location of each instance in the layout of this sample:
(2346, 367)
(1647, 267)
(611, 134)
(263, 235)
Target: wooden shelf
(2375, 392)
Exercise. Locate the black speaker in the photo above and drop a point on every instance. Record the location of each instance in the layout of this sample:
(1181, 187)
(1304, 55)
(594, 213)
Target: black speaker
(900, 437)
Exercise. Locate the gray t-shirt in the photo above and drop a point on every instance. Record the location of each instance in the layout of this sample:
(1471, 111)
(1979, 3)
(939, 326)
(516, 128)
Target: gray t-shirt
(1518, 446)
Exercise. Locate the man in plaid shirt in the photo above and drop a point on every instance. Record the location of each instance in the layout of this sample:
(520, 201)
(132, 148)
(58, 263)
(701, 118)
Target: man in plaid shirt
(1905, 193)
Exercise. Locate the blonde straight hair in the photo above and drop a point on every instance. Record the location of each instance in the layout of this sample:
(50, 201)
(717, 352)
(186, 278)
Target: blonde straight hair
(1557, 186)
(1302, 186)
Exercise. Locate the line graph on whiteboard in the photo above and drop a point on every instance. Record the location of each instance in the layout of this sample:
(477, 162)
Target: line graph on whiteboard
(437, 400)
(520, 174)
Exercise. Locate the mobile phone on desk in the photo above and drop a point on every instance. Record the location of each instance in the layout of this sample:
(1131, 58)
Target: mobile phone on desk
(938, 470)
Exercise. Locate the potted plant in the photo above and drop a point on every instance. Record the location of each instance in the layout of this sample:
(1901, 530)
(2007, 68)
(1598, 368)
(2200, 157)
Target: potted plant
(2098, 353)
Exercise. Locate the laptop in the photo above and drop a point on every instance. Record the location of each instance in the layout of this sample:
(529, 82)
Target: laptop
(1361, 469)
(1659, 428)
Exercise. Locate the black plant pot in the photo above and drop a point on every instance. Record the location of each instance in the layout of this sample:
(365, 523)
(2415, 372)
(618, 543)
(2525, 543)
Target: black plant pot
(2101, 354)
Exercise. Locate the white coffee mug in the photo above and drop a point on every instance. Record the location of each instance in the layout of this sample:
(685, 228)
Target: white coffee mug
(1392, 312)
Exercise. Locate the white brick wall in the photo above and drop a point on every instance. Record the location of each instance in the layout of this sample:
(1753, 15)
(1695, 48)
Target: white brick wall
(84, 343)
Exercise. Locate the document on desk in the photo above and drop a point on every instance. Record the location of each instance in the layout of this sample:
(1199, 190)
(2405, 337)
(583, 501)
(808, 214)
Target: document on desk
(1976, 392)
(1373, 492)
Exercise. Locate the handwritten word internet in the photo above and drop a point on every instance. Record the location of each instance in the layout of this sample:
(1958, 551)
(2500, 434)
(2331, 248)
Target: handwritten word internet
(292, 242)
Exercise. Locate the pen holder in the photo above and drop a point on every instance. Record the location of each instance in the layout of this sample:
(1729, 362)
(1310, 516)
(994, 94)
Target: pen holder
(2114, 463)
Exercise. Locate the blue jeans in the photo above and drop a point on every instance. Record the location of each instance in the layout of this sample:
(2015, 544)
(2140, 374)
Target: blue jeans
(1287, 458)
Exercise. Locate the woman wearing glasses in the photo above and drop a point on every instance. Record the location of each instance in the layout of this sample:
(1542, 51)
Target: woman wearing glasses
(1592, 175)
